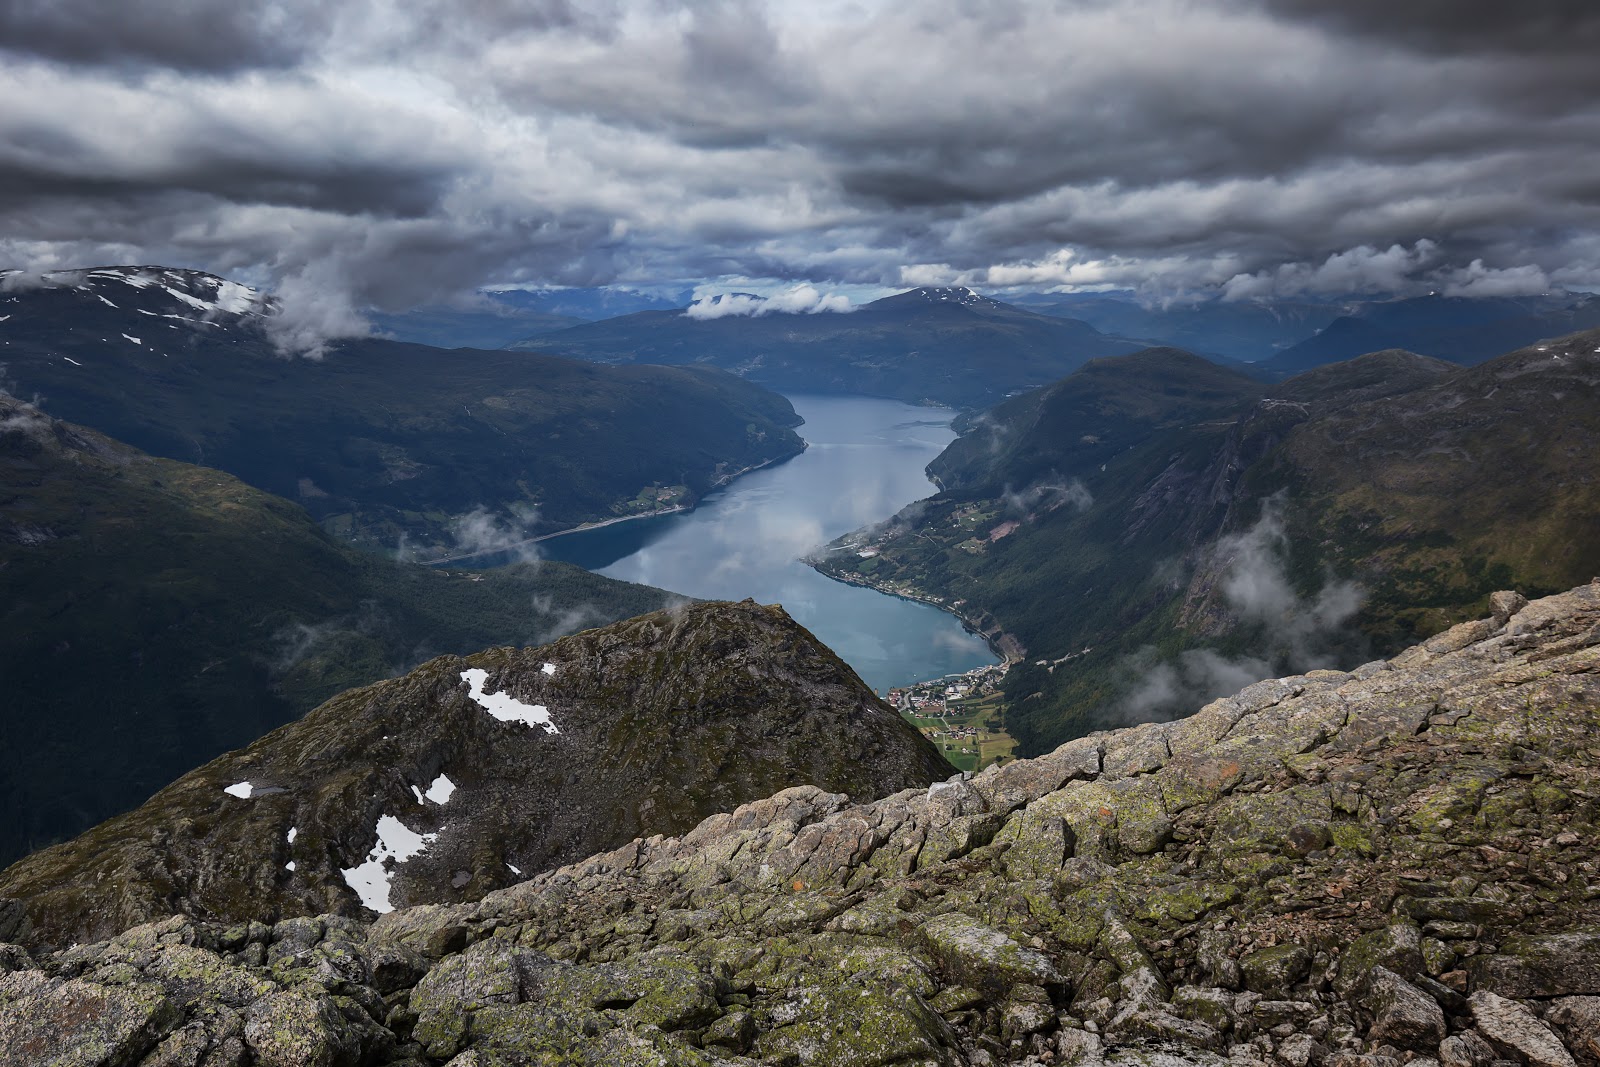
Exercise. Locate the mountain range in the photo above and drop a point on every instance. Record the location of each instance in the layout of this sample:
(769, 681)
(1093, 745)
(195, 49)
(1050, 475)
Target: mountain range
(947, 345)
(495, 318)
(382, 442)
(1277, 338)
(1458, 329)
(1247, 331)
(1205, 528)
(1280, 338)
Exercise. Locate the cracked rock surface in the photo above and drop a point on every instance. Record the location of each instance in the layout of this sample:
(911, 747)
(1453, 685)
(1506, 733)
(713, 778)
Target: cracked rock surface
(1395, 864)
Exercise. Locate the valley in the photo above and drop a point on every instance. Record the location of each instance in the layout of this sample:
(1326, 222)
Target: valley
(754, 534)
(915, 346)
(864, 461)
(1154, 529)
(720, 779)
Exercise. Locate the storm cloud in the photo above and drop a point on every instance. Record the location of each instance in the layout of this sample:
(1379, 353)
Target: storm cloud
(371, 154)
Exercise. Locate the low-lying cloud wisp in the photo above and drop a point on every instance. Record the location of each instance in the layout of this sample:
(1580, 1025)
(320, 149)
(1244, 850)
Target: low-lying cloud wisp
(1297, 633)
(799, 300)
(1048, 495)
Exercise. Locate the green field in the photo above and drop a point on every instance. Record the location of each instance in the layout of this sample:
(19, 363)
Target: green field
(991, 745)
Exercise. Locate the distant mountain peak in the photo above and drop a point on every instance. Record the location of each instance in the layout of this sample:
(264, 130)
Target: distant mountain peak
(159, 293)
(956, 294)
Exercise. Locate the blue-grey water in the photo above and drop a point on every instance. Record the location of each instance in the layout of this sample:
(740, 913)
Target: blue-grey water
(864, 462)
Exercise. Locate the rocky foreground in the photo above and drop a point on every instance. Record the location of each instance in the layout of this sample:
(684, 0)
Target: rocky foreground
(1333, 870)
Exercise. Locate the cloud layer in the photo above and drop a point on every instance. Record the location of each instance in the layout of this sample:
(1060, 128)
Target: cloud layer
(378, 154)
(797, 300)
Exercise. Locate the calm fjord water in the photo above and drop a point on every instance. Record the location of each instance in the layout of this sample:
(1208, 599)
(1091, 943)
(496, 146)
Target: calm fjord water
(864, 462)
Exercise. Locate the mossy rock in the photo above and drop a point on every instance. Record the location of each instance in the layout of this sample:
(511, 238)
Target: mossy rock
(1273, 972)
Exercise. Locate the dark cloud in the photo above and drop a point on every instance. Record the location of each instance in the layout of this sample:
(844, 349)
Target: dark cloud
(1526, 29)
(195, 35)
(378, 153)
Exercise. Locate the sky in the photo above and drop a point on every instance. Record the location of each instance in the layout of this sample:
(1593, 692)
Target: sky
(395, 152)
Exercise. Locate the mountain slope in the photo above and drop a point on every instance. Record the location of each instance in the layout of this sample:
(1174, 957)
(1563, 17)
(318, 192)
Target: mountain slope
(645, 726)
(154, 614)
(1359, 506)
(1458, 329)
(1340, 868)
(379, 440)
(947, 345)
(497, 318)
(1247, 330)
(1088, 417)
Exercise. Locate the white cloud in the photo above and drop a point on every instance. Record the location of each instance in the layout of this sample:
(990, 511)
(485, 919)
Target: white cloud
(1477, 280)
(798, 300)
(424, 149)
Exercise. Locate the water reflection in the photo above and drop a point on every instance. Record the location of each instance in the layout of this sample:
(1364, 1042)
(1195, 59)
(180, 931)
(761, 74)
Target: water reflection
(865, 462)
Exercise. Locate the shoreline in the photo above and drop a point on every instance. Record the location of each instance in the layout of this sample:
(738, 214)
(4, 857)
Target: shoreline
(1007, 660)
(585, 527)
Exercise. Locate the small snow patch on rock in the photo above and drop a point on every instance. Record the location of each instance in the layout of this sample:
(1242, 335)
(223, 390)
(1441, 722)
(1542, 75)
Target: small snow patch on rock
(373, 879)
(242, 790)
(549, 668)
(439, 792)
(504, 706)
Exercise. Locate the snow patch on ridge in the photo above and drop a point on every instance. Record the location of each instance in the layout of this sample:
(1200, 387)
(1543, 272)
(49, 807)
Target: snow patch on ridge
(242, 790)
(549, 668)
(504, 706)
(234, 298)
(439, 792)
(373, 879)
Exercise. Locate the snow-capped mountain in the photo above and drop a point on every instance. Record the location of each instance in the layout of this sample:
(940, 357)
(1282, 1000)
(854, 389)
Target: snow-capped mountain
(144, 306)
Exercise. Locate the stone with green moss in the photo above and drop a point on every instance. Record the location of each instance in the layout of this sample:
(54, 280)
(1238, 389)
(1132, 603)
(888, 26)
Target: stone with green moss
(1273, 972)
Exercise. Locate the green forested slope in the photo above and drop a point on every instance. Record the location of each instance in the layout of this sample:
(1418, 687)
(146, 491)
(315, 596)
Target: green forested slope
(1144, 535)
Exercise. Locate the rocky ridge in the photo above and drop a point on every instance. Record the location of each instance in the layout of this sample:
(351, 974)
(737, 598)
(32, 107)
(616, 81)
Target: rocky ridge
(1391, 865)
(468, 773)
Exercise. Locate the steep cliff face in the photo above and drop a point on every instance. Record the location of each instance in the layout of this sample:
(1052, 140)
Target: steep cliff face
(468, 773)
(1350, 869)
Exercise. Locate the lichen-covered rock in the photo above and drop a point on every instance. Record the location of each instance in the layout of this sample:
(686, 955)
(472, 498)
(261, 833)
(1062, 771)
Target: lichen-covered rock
(1466, 1049)
(1403, 1015)
(1514, 1028)
(1396, 947)
(79, 1023)
(1578, 1019)
(985, 958)
(1273, 972)
(295, 1029)
(1542, 965)
(831, 1026)
(1307, 908)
